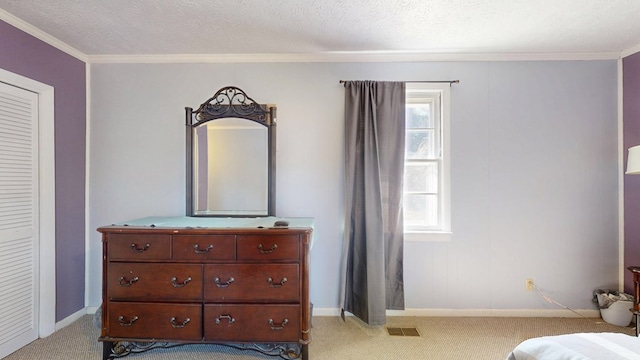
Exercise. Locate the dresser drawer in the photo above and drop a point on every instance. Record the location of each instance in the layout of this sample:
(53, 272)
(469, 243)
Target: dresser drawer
(139, 247)
(252, 323)
(252, 282)
(151, 281)
(155, 321)
(268, 247)
(204, 247)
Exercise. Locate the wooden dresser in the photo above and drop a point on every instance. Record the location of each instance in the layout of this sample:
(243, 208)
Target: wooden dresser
(236, 281)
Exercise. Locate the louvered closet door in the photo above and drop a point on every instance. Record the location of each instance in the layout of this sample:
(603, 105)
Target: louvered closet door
(18, 218)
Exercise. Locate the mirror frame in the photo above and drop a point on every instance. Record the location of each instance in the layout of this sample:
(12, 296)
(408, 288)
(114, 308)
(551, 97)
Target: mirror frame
(232, 102)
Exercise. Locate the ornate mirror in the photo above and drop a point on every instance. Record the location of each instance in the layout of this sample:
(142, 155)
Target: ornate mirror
(231, 163)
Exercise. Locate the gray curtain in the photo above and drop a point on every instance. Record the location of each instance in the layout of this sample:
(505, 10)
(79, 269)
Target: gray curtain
(372, 255)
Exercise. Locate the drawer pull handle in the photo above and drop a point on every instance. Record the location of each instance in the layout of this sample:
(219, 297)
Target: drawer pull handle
(135, 248)
(196, 249)
(127, 323)
(278, 327)
(228, 317)
(279, 285)
(126, 283)
(174, 282)
(223, 285)
(177, 325)
(262, 251)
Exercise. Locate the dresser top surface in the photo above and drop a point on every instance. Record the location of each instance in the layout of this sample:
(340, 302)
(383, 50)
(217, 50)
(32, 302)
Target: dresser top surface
(186, 222)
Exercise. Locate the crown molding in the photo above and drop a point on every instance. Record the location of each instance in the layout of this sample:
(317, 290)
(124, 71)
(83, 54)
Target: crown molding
(41, 35)
(630, 51)
(347, 57)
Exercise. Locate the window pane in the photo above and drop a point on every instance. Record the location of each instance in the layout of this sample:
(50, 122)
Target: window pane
(421, 177)
(418, 116)
(420, 210)
(420, 144)
(425, 167)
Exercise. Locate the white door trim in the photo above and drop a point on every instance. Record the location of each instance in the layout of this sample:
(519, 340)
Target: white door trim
(47, 252)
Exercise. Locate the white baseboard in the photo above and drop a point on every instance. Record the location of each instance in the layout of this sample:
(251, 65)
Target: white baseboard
(71, 318)
(589, 313)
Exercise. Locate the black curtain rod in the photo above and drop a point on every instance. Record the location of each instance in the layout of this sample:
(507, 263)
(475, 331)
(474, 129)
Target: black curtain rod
(418, 81)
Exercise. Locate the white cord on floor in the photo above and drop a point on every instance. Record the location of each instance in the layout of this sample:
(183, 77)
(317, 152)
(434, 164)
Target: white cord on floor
(548, 299)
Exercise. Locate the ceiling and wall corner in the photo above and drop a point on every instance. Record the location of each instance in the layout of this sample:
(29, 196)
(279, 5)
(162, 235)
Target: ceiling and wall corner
(630, 51)
(41, 35)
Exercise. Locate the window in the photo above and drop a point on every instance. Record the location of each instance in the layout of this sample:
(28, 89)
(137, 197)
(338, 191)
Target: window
(426, 171)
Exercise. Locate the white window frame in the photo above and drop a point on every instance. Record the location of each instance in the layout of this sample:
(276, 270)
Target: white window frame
(439, 94)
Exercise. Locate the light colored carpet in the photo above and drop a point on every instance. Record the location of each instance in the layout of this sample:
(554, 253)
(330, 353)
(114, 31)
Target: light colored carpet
(441, 338)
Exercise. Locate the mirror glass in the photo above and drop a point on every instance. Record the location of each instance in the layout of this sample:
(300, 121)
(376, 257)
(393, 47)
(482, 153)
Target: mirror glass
(230, 168)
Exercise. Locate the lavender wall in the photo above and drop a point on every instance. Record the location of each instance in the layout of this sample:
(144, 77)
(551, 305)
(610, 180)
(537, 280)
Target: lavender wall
(25, 55)
(631, 130)
(534, 171)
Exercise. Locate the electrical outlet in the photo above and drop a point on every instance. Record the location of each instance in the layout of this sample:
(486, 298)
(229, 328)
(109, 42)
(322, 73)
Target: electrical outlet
(528, 284)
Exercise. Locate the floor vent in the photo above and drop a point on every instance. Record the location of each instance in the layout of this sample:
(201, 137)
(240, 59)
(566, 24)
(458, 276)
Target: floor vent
(394, 331)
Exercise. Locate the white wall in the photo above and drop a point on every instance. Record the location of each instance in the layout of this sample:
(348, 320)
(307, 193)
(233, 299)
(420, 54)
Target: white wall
(534, 169)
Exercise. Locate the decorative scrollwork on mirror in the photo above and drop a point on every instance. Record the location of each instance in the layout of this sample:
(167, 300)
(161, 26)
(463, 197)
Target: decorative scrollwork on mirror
(231, 142)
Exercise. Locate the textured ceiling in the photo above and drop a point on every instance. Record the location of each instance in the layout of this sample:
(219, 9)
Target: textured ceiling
(126, 27)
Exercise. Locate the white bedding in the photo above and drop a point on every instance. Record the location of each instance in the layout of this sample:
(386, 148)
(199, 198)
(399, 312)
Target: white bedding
(580, 346)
